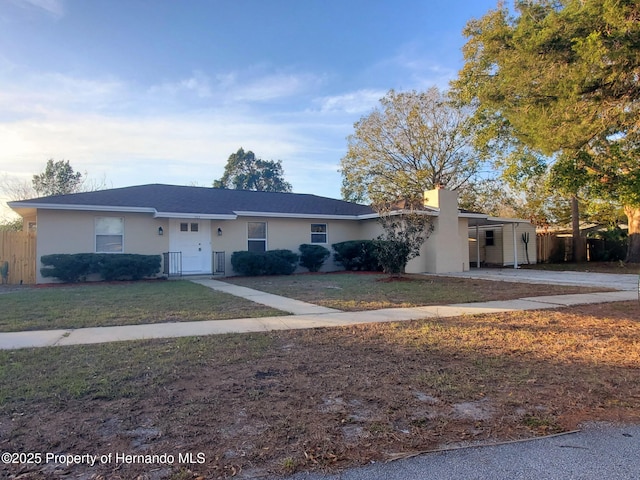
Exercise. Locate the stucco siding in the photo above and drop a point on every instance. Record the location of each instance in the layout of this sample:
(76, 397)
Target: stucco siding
(446, 250)
(282, 233)
(74, 232)
(441, 253)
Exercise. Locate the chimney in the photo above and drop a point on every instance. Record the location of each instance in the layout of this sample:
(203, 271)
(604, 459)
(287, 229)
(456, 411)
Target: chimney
(441, 198)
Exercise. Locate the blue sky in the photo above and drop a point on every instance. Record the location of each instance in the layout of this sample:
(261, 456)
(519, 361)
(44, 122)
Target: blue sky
(163, 91)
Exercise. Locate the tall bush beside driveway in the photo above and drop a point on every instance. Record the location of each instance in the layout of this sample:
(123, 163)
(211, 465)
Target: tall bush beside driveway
(357, 255)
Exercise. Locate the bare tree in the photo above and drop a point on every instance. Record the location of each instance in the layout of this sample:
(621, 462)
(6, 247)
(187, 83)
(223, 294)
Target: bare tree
(415, 141)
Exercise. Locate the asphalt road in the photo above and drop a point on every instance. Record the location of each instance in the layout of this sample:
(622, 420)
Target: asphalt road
(599, 451)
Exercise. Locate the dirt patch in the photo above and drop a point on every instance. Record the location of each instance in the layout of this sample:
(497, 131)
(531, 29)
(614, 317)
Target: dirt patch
(323, 399)
(396, 278)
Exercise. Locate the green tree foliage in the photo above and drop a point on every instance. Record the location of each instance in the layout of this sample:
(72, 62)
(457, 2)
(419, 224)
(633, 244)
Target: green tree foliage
(413, 142)
(560, 78)
(11, 224)
(244, 171)
(58, 178)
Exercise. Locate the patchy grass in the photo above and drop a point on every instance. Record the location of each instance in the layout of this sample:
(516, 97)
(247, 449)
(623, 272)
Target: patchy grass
(369, 291)
(322, 399)
(98, 305)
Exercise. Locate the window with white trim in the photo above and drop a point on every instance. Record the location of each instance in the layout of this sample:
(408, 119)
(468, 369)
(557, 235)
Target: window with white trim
(319, 233)
(109, 234)
(257, 236)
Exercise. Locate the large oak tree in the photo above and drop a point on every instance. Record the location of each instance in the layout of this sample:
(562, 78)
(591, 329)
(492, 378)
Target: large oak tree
(562, 77)
(414, 141)
(244, 171)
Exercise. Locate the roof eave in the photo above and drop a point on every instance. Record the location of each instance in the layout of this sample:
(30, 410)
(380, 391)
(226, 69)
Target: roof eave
(320, 216)
(507, 220)
(84, 208)
(472, 215)
(198, 216)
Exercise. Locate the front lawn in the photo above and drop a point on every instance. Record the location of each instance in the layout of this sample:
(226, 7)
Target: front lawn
(369, 291)
(103, 304)
(319, 399)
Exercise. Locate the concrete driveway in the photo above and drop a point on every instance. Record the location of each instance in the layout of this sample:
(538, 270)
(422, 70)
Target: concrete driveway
(617, 281)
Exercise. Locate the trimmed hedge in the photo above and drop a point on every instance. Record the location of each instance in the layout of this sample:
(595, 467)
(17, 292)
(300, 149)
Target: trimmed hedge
(312, 257)
(357, 255)
(72, 268)
(272, 262)
(129, 266)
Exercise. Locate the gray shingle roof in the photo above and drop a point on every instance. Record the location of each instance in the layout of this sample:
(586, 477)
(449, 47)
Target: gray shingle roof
(174, 199)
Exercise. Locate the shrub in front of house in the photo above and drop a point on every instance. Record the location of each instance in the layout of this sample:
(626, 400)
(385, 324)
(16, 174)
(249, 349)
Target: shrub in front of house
(128, 266)
(247, 263)
(357, 255)
(392, 255)
(271, 262)
(70, 268)
(312, 257)
(77, 267)
(281, 262)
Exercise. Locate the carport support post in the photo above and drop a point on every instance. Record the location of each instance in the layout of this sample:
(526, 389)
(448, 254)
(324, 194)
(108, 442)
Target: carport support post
(477, 245)
(515, 245)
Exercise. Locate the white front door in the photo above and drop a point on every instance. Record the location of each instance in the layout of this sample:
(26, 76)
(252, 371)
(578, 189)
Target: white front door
(193, 239)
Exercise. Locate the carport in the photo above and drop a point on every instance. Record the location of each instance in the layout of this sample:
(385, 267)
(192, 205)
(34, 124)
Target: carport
(500, 241)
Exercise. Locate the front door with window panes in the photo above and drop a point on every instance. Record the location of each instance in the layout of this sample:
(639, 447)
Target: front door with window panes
(193, 239)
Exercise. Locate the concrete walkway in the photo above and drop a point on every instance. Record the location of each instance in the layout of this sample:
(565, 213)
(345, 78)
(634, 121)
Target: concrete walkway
(306, 316)
(285, 304)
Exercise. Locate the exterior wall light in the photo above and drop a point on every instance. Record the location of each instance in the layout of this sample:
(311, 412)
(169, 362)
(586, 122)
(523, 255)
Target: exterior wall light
(160, 231)
(219, 232)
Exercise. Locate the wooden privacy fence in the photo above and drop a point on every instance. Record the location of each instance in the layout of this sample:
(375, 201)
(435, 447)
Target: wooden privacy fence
(19, 250)
(553, 248)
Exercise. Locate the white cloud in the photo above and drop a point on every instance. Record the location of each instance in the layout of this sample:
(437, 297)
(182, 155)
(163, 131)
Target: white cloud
(274, 86)
(251, 86)
(415, 69)
(55, 8)
(198, 84)
(360, 101)
(178, 132)
(34, 95)
(139, 149)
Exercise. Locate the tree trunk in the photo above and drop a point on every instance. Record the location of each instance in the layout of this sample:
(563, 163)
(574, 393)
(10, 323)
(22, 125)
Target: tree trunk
(579, 254)
(633, 217)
